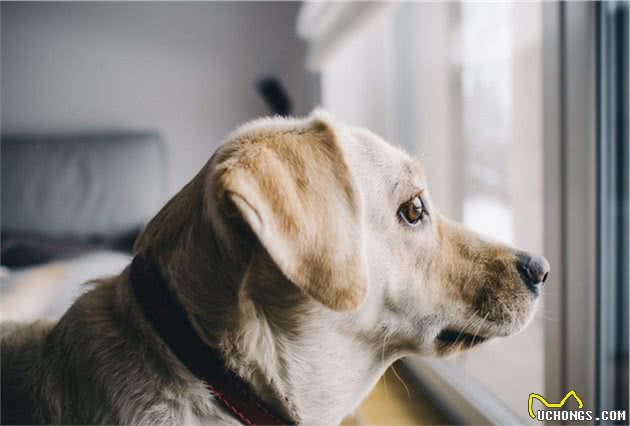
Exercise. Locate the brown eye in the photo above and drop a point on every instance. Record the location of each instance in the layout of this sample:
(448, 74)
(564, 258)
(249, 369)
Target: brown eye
(413, 211)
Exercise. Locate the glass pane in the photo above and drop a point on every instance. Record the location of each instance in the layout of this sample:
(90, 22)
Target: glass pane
(475, 74)
(460, 86)
(501, 110)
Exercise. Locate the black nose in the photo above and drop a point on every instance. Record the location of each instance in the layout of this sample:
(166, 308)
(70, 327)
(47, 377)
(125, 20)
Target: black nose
(533, 269)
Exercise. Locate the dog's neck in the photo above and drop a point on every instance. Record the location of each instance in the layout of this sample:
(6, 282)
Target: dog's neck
(306, 366)
(307, 353)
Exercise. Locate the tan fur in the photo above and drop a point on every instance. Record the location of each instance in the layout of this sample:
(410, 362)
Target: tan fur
(288, 256)
(288, 186)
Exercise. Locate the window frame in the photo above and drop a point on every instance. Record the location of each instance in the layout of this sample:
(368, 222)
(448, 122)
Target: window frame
(613, 234)
(570, 135)
(570, 223)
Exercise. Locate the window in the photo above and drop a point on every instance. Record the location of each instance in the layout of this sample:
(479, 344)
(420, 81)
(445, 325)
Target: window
(519, 112)
(460, 86)
(613, 254)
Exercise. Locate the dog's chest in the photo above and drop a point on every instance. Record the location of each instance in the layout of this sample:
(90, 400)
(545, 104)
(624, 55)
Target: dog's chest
(192, 406)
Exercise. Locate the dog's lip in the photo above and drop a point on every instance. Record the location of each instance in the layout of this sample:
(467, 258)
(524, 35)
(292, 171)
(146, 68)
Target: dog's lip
(452, 336)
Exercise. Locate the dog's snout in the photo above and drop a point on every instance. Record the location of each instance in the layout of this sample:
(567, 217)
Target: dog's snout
(533, 269)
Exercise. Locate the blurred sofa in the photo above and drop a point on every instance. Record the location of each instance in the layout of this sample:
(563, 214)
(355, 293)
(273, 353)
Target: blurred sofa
(71, 207)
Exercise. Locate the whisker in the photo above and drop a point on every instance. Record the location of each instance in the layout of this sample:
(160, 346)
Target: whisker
(468, 322)
(507, 309)
(385, 337)
(479, 328)
(541, 313)
(402, 382)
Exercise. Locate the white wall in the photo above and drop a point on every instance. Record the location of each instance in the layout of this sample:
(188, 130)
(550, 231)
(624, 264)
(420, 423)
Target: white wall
(374, 79)
(356, 78)
(186, 70)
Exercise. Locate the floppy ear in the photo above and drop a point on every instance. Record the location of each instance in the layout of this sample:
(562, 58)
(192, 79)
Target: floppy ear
(293, 188)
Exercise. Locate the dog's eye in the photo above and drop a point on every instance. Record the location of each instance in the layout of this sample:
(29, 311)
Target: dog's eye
(413, 211)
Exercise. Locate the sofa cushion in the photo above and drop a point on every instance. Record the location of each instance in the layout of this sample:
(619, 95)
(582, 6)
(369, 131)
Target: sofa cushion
(81, 185)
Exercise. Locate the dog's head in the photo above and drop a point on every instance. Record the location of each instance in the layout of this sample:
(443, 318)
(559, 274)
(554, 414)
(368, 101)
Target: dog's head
(337, 225)
(348, 219)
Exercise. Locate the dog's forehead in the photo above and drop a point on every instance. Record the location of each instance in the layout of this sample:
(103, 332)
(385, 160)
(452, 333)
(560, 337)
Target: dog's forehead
(370, 158)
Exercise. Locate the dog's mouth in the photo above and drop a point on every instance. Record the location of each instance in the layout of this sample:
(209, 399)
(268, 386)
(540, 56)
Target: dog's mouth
(452, 337)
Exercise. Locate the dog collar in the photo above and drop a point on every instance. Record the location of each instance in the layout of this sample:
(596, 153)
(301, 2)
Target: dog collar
(171, 323)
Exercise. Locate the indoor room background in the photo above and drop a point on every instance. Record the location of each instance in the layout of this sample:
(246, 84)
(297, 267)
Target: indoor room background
(508, 105)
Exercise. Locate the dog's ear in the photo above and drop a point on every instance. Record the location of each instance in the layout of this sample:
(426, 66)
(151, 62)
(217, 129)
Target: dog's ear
(294, 190)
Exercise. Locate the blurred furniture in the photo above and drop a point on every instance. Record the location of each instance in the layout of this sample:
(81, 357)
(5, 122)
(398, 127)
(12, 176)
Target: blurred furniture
(81, 185)
(71, 207)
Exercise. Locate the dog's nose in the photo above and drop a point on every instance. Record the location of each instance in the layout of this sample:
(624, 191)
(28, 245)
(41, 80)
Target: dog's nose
(534, 270)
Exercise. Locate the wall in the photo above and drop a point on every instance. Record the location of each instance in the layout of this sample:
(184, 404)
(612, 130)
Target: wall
(186, 70)
(373, 79)
(363, 61)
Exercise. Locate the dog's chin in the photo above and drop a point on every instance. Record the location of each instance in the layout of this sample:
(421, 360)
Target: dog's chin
(451, 339)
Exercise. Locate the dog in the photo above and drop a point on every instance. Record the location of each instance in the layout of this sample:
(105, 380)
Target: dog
(309, 255)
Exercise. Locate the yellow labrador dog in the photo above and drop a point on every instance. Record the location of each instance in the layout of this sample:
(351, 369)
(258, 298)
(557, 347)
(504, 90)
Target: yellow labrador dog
(308, 256)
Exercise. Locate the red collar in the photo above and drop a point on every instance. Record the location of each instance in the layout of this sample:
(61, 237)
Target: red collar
(171, 323)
